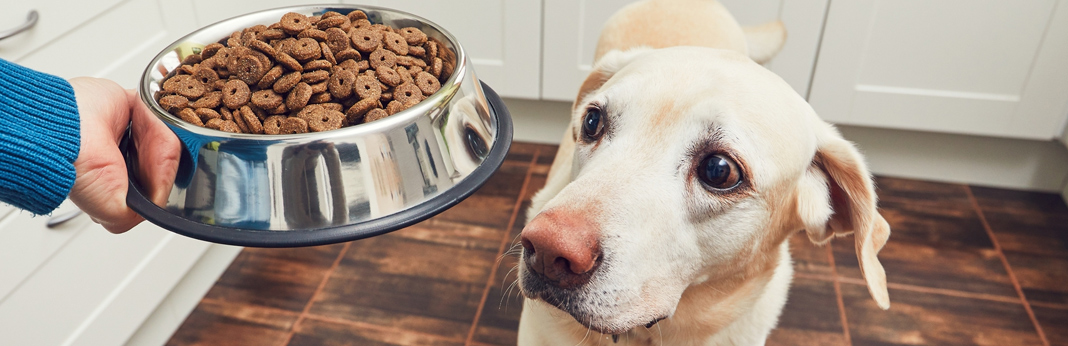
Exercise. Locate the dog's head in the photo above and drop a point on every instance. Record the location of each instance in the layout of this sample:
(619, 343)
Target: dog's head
(690, 168)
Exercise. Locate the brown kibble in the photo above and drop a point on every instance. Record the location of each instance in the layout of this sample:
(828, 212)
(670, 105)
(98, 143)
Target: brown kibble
(226, 113)
(341, 68)
(367, 87)
(388, 76)
(437, 68)
(305, 49)
(287, 82)
(341, 84)
(192, 59)
(270, 77)
(321, 97)
(382, 58)
(366, 40)
(410, 61)
(375, 114)
(293, 23)
(337, 39)
(263, 47)
(270, 34)
(190, 116)
(317, 65)
(347, 55)
(405, 74)
(319, 87)
(431, 49)
(332, 22)
(236, 94)
(313, 33)
(206, 114)
(315, 76)
(299, 96)
(418, 51)
(252, 121)
(427, 83)
(172, 102)
(289, 62)
(328, 54)
(394, 107)
(249, 69)
(266, 99)
(294, 125)
(354, 115)
(395, 43)
(273, 124)
(210, 100)
(407, 91)
(357, 15)
(320, 119)
(332, 106)
(223, 125)
(347, 65)
(205, 76)
(413, 36)
(209, 51)
(361, 24)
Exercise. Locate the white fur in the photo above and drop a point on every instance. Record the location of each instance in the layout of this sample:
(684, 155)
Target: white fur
(715, 265)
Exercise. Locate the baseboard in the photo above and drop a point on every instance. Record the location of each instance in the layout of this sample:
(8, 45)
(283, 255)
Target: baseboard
(172, 311)
(986, 161)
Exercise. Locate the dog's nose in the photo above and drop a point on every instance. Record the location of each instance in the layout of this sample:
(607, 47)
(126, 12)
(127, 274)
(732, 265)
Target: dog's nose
(563, 247)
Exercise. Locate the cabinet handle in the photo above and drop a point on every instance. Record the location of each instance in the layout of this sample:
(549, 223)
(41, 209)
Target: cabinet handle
(57, 220)
(31, 20)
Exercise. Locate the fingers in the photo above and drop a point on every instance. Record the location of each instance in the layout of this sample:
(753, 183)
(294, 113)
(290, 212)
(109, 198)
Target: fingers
(101, 183)
(158, 150)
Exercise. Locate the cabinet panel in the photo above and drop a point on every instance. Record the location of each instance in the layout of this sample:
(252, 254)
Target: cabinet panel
(116, 44)
(954, 66)
(55, 19)
(211, 11)
(502, 38)
(572, 27)
(26, 244)
(82, 285)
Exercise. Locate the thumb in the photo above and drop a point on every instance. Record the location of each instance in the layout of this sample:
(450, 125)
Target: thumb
(158, 150)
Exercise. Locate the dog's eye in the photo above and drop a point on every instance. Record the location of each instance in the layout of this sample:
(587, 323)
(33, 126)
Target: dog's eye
(592, 126)
(719, 172)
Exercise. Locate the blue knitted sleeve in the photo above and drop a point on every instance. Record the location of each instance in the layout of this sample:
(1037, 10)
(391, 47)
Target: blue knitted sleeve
(39, 138)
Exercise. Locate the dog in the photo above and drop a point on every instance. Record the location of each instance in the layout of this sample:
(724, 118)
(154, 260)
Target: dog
(684, 170)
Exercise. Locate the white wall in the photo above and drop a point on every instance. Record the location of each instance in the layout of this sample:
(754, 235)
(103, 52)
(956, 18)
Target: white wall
(987, 161)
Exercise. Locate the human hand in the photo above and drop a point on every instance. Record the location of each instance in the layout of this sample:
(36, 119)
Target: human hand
(101, 185)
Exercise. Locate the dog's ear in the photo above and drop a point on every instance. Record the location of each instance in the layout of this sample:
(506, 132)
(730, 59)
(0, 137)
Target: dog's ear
(604, 68)
(836, 197)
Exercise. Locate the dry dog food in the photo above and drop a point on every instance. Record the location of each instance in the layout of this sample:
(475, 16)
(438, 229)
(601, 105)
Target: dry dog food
(306, 74)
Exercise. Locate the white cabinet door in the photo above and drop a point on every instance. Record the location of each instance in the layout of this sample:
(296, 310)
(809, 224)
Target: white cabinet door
(116, 43)
(981, 67)
(502, 38)
(572, 27)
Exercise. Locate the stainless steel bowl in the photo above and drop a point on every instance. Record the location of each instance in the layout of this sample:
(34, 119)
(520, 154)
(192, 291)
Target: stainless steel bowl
(333, 186)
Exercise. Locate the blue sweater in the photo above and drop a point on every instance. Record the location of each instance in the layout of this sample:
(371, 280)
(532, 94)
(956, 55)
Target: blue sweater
(39, 138)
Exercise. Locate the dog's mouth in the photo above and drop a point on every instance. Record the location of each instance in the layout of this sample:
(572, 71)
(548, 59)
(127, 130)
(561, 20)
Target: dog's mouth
(580, 304)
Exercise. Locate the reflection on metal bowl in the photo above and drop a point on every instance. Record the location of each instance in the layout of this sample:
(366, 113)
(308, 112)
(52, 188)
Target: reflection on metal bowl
(332, 186)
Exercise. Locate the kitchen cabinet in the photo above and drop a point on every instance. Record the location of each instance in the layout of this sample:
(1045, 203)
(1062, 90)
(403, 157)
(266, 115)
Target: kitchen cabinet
(978, 67)
(572, 27)
(77, 284)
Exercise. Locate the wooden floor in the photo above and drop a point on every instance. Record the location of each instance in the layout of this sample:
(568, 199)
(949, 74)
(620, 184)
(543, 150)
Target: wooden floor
(966, 265)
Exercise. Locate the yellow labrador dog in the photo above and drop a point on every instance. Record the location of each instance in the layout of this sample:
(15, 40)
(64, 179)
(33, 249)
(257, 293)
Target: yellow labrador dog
(685, 169)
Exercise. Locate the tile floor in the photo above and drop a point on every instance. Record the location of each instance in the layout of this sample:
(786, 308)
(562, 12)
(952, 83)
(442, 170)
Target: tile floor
(966, 265)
